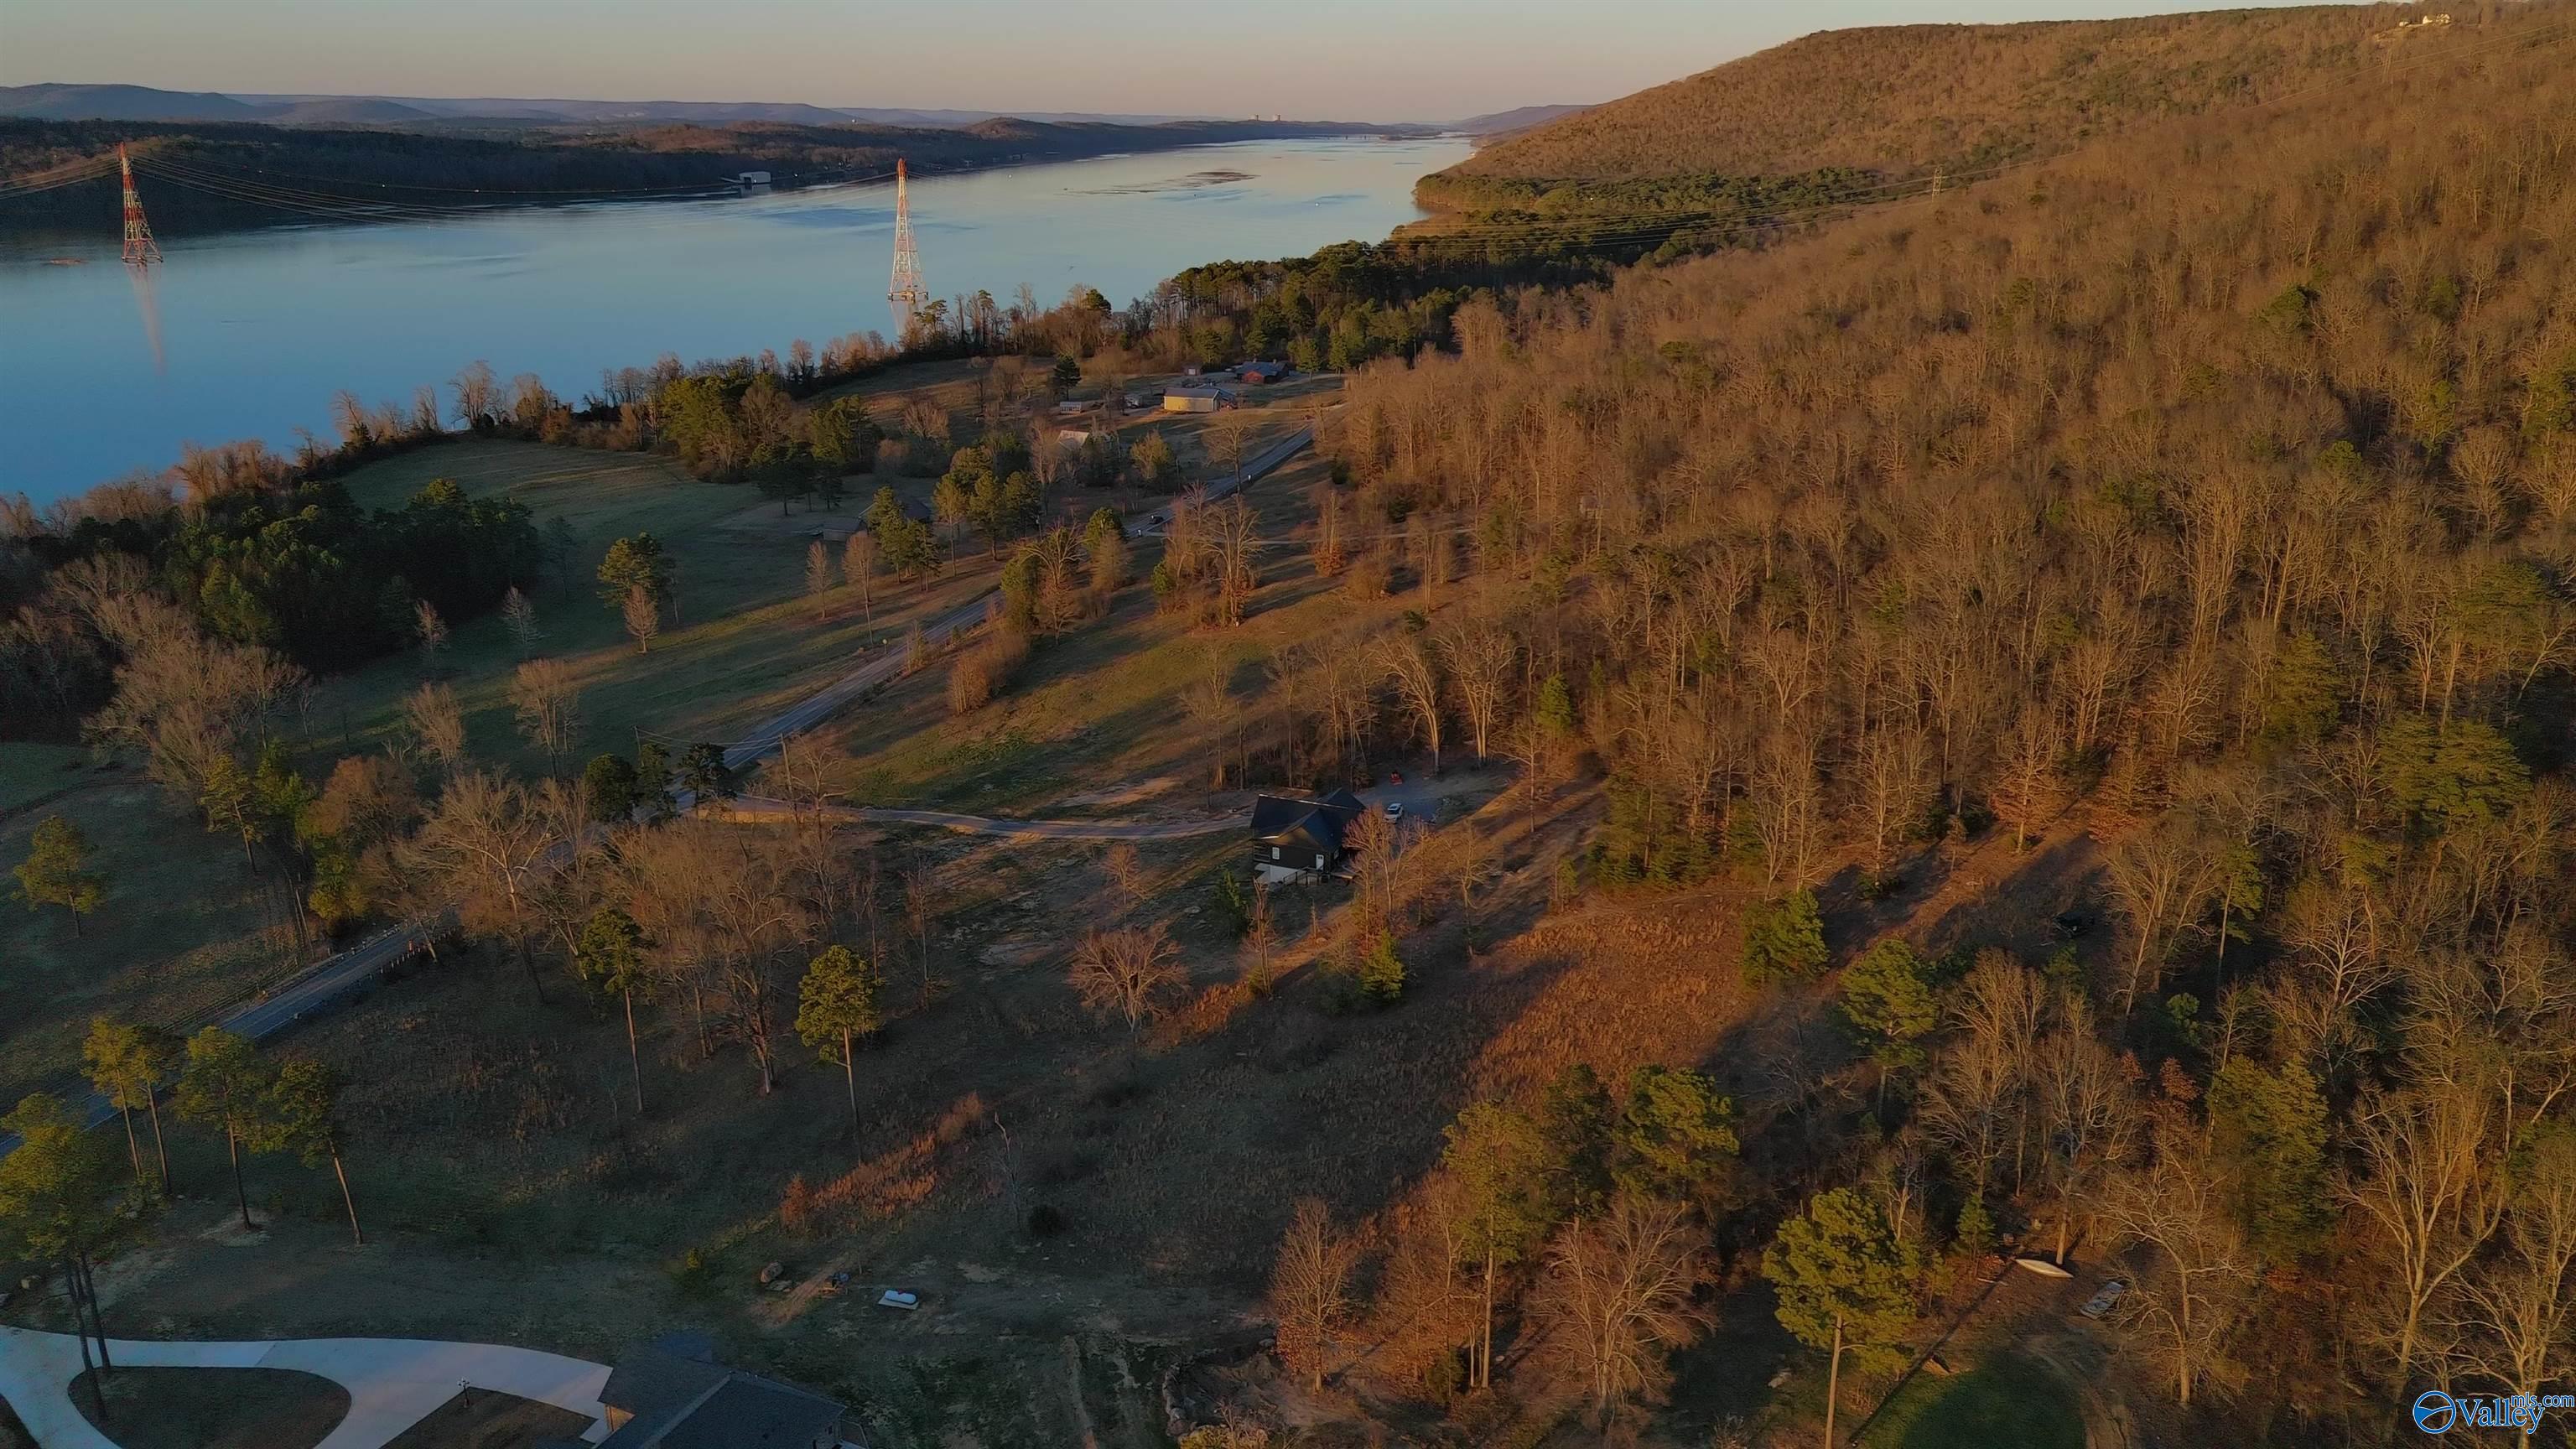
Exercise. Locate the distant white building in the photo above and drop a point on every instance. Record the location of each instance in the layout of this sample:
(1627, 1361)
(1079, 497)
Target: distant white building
(749, 179)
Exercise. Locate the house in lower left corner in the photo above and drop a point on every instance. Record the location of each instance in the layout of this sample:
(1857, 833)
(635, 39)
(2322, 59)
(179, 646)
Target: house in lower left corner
(672, 1394)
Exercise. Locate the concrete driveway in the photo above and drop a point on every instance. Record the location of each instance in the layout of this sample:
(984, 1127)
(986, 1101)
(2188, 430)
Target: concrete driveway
(393, 1383)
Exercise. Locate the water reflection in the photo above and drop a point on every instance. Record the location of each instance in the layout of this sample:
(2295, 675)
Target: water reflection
(148, 303)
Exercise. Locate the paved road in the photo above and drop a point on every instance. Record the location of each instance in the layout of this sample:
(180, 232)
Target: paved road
(1254, 468)
(334, 980)
(393, 1383)
(752, 807)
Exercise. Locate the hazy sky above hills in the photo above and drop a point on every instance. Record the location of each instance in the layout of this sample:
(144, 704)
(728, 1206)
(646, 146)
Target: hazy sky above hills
(1393, 60)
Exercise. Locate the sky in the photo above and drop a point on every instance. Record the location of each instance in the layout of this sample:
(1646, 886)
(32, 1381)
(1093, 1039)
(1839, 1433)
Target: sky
(1381, 60)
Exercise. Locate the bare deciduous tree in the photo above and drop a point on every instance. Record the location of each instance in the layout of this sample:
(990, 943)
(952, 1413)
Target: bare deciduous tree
(727, 923)
(2515, 1319)
(1310, 1290)
(1233, 543)
(183, 699)
(485, 842)
(1620, 1294)
(1227, 434)
(521, 616)
(1480, 657)
(2085, 1112)
(643, 618)
(1976, 1097)
(1125, 871)
(431, 631)
(1127, 973)
(548, 700)
(2425, 1179)
(1408, 663)
(437, 724)
(1327, 550)
(859, 568)
(818, 574)
(2163, 879)
(2198, 1265)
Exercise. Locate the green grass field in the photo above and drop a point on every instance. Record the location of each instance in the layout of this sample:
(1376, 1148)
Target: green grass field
(2007, 1399)
(32, 773)
(177, 933)
(746, 643)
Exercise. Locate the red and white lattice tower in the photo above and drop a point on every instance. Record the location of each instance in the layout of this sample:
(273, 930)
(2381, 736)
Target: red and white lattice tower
(907, 294)
(140, 249)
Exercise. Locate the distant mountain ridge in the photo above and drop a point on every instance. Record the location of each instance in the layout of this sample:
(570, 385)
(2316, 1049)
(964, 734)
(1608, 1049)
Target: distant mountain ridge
(57, 101)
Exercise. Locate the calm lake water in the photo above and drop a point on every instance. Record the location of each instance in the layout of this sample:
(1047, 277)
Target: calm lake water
(249, 334)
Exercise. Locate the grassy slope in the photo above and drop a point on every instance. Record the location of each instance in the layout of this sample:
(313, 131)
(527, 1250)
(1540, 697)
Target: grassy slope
(1902, 98)
(2007, 1399)
(747, 642)
(1100, 706)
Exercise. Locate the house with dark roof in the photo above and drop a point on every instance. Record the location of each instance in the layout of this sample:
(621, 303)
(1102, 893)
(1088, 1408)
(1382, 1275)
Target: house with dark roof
(672, 1394)
(1297, 839)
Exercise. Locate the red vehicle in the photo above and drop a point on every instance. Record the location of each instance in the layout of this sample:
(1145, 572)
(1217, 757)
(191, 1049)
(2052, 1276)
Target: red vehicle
(1395, 777)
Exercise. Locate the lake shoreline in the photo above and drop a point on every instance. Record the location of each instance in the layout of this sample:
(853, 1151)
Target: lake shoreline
(249, 335)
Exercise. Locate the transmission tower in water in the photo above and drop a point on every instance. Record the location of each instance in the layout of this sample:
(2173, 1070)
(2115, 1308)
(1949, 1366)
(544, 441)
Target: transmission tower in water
(140, 249)
(907, 294)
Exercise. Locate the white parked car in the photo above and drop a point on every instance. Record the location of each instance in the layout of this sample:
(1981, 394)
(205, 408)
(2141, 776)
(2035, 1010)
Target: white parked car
(1395, 810)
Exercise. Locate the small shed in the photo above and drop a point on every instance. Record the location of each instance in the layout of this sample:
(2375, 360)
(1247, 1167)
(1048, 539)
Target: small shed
(752, 178)
(1196, 399)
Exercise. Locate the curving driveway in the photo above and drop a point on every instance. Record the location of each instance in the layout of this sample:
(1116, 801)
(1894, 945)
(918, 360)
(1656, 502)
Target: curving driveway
(393, 1383)
(752, 807)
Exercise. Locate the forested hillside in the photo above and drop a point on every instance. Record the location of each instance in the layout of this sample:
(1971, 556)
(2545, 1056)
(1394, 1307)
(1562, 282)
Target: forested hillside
(1899, 98)
(2214, 492)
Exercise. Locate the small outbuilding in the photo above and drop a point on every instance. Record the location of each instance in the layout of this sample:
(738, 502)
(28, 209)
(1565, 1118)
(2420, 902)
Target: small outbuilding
(1297, 839)
(1196, 399)
(1261, 373)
